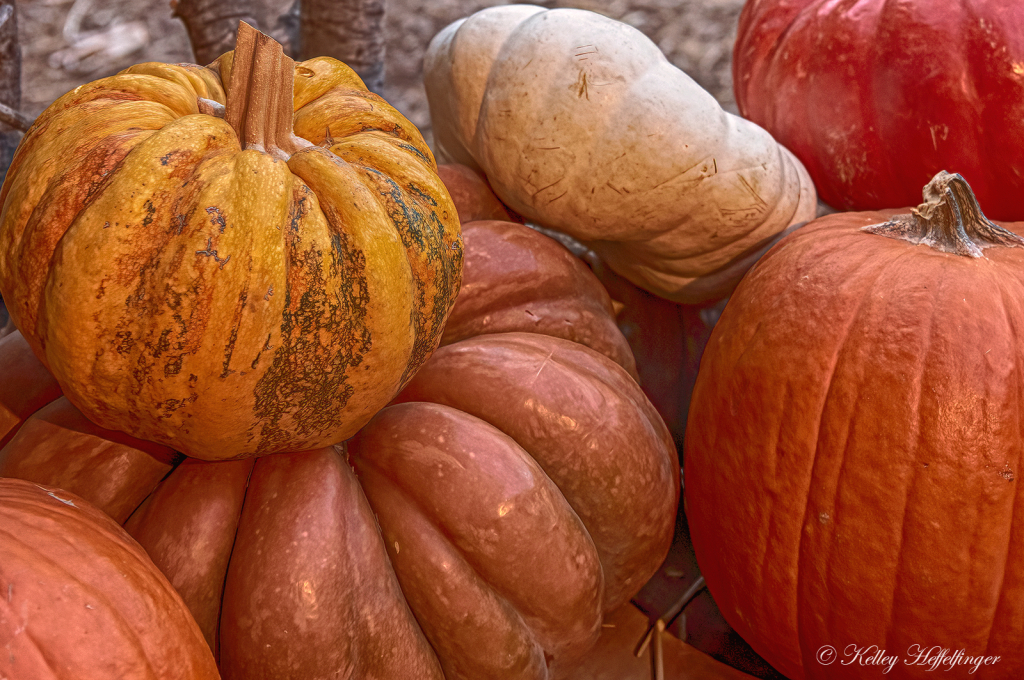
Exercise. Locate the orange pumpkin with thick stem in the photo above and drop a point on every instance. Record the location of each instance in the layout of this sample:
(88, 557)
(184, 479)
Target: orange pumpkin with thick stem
(853, 450)
(224, 262)
(80, 599)
(523, 487)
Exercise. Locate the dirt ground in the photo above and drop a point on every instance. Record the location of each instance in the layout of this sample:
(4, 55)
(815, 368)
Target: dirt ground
(69, 42)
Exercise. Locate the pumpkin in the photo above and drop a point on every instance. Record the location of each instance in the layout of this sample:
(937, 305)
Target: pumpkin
(876, 97)
(581, 125)
(80, 599)
(853, 450)
(264, 280)
(522, 485)
(666, 340)
(472, 195)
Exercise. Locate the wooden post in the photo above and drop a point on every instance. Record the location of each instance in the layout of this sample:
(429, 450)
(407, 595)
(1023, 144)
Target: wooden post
(351, 31)
(212, 24)
(10, 82)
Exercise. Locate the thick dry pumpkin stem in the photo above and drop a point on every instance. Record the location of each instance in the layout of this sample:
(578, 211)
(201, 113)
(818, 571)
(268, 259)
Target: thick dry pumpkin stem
(259, 95)
(949, 220)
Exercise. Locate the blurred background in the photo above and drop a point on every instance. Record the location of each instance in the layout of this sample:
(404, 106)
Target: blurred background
(66, 43)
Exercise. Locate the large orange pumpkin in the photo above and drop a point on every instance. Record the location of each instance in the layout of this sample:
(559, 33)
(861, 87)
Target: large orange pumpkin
(80, 599)
(523, 486)
(216, 260)
(854, 447)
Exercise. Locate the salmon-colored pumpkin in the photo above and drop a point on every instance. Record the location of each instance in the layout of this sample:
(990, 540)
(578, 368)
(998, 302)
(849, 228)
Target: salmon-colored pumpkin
(222, 262)
(523, 486)
(472, 195)
(854, 449)
(80, 599)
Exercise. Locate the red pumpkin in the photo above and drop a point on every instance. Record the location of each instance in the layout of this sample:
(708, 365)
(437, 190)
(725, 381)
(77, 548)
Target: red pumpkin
(875, 97)
(854, 450)
(525, 487)
(80, 599)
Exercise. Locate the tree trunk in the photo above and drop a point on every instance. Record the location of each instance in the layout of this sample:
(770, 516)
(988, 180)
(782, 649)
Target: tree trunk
(349, 30)
(10, 81)
(212, 24)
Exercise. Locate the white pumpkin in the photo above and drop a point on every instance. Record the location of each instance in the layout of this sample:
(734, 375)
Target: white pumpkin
(582, 125)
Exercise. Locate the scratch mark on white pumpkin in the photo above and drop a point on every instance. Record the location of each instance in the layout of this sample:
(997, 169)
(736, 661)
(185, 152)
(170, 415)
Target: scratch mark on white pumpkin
(704, 174)
(547, 187)
(750, 189)
(580, 86)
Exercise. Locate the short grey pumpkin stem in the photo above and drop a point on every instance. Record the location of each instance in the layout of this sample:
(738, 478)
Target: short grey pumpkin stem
(949, 220)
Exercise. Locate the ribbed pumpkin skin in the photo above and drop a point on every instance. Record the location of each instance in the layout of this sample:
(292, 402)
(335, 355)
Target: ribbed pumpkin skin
(854, 451)
(517, 279)
(875, 96)
(82, 600)
(218, 300)
(479, 530)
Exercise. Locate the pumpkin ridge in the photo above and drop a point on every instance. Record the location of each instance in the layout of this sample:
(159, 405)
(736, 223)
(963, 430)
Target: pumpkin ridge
(540, 493)
(46, 177)
(518, 628)
(1017, 497)
(423, 248)
(173, 73)
(103, 160)
(215, 648)
(134, 266)
(915, 468)
(442, 529)
(376, 118)
(523, 628)
(298, 323)
(842, 345)
(1017, 502)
